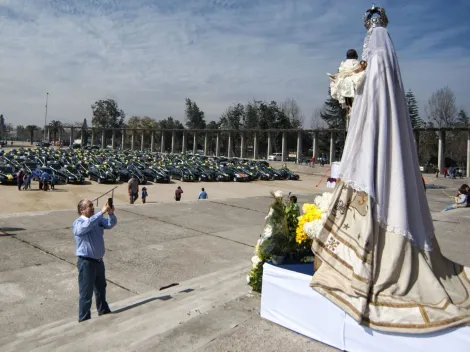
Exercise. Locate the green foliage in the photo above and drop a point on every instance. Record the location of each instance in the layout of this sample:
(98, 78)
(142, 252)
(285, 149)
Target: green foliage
(3, 127)
(333, 114)
(55, 127)
(31, 129)
(256, 277)
(194, 116)
(106, 114)
(413, 111)
(463, 119)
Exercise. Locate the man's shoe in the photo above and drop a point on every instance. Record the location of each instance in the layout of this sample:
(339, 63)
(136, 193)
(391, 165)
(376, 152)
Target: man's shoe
(106, 312)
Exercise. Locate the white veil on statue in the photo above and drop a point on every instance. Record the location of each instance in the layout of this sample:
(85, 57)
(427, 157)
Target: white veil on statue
(379, 259)
(380, 156)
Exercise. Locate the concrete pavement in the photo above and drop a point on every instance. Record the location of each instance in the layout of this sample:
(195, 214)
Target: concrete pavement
(155, 245)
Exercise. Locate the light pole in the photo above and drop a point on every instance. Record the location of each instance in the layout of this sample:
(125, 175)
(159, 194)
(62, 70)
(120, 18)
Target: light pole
(45, 116)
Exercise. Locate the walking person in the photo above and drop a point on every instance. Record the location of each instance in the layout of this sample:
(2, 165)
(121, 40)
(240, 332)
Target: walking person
(27, 182)
(88, 231)
(133, 189)
(144, 194)
(20, 179)
(202, 194)
(178, 193)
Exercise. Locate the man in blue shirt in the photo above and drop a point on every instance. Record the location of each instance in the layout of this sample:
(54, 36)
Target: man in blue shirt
(202, 194)
(88, 231)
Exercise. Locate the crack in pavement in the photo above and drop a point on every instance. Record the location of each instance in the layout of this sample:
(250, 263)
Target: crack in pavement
(237, 206)
(45, 251)
(188, 228)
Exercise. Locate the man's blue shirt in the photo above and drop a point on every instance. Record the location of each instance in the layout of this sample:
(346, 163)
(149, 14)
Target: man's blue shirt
(202, 195)
(88, 233)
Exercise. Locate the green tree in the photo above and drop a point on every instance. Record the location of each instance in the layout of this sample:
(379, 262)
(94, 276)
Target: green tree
(3, 127)
(213, 125)
(194, 116)
(333, 114)
(335, 117)
(106, 114)
(31, 129)
(292, 110)
(413, 110)
(251, 117)
(232, 118)
(463, 119)
(84, 131)
(55, 127)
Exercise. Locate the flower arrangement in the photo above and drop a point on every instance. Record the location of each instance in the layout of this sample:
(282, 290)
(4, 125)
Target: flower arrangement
(287, 233)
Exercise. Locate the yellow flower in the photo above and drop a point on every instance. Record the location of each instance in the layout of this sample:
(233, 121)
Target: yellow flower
(310, 213)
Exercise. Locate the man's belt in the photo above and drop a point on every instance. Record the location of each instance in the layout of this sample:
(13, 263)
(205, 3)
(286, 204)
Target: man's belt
(91, 259)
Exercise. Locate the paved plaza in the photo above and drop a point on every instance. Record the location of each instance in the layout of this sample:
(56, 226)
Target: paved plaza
(202, 246)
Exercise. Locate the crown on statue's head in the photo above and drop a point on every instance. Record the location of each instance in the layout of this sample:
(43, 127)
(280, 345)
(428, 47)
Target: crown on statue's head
(375, 17)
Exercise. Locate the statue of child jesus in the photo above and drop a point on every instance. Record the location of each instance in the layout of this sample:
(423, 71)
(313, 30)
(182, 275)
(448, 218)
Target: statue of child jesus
(350, 77)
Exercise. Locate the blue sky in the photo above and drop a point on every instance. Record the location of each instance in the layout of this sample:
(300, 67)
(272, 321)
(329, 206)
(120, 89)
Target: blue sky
(150, 55)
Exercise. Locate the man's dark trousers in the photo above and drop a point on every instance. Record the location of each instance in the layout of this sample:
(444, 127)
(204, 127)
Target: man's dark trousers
(91, 278)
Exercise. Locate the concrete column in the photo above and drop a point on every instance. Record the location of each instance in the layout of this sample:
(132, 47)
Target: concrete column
(173, 141)
(299, 146)
(255, 146)
(230, 146)
(270, 145)
(416, 133)
(468, 153)
(123, 139)
(162, 144)
(71, 136)
(315, 145)
(133, 140)
(440, 151)
(206, 144)
(152, 141)
(103, 139)
(217, 144)
(242, 146)
(332, 147)
(113, 140)
(195, 143)
(184, 145)
(82, 137)
(284, 146)
(142, 140)
(48, 134)
(92, 137)
(59, 139)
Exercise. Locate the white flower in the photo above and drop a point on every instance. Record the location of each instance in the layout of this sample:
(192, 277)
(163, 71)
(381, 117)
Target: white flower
(271, 212)
(255, 260)
(313, 228)
(248, 279)
(267, 232)
(323, 202)
(278, 194)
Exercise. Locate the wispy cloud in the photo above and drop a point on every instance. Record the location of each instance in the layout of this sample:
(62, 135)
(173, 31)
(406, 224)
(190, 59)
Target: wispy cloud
(150, 55)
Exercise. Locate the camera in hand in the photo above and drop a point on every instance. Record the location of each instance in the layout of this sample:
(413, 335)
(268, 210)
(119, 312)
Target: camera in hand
(110, 202)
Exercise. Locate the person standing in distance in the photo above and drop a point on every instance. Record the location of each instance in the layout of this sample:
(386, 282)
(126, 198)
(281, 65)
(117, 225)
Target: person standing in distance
(88, 231)
(202, 194)
(133, 189)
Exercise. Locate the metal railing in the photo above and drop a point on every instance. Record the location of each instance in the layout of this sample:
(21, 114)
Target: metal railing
(101, 196)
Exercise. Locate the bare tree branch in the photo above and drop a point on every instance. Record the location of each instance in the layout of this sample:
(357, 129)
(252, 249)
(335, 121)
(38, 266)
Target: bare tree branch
(441, 108)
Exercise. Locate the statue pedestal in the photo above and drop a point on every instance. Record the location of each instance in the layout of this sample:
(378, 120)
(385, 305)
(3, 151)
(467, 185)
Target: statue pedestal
(288, 300)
